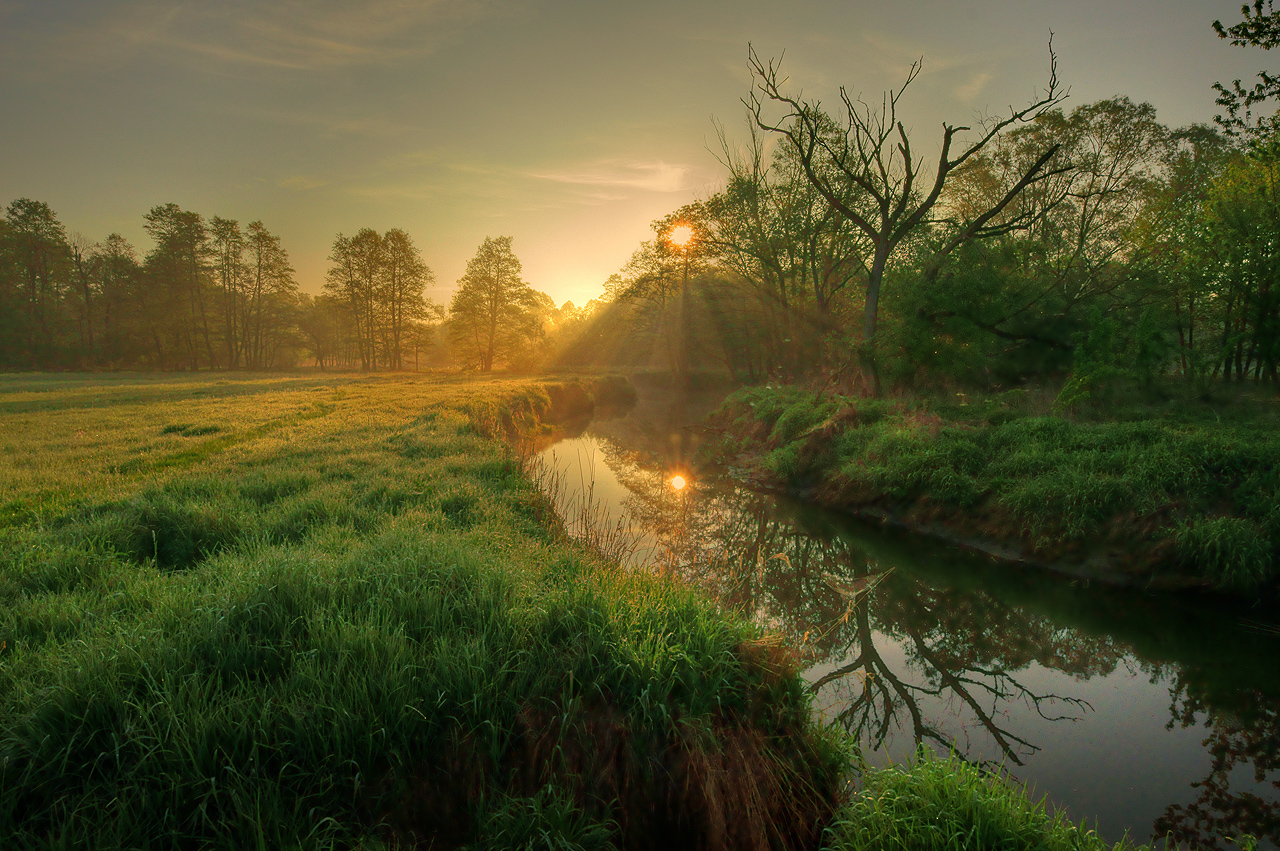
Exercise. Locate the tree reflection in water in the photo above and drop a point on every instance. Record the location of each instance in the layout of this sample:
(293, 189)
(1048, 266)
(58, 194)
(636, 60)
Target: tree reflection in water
(1244, 734)
(966, 646)
(939, 644)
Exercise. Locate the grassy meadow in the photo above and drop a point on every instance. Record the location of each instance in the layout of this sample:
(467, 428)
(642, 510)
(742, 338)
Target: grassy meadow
(332, 611)
(1175, 491)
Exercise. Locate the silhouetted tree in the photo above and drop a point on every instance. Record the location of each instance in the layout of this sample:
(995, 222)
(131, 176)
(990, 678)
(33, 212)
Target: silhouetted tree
(404, 278)
(36, 250)
(177, 266)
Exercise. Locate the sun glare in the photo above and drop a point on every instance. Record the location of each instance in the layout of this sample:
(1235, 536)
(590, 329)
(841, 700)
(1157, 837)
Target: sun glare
(678, 482)
(680, 235)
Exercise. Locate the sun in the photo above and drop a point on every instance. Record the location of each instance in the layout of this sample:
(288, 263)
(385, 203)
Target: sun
(680, 235)
(678, 482)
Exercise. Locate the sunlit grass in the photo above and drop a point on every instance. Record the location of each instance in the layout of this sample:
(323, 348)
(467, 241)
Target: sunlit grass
(329, 612)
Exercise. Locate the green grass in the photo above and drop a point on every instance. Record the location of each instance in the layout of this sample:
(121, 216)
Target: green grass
(1185, 492)
(347, 619)
(947, 804)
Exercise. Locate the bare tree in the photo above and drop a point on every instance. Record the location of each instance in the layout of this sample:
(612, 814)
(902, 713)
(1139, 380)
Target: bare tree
(866, 169)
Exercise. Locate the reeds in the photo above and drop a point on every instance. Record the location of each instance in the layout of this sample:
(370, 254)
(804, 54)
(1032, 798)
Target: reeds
(582, 517)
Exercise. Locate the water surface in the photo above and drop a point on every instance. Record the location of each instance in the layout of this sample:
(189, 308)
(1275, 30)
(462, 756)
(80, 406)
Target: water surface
(1148, 713)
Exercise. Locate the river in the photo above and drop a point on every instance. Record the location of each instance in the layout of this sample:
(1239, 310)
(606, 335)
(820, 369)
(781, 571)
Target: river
(1151, 714)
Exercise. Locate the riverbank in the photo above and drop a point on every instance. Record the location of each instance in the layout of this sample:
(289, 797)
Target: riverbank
(1180, 496)
(332, 612)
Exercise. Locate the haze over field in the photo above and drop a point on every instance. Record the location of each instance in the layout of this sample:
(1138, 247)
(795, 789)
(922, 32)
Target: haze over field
(568, 125)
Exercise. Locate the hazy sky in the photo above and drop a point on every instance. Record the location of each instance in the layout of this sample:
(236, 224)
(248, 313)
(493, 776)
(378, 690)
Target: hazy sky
(567, 124)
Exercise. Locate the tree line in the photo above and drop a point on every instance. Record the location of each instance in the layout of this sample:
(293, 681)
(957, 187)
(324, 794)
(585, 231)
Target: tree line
(215, 294)
(1093, 244)
(210, 294)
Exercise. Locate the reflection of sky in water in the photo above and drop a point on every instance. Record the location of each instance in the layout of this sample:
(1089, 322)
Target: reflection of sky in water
(1113, 757)
(581, 461)
(581, 464)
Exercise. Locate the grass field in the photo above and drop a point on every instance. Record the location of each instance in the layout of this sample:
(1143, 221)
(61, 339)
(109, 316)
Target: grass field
(333, 612)
(1179, 491)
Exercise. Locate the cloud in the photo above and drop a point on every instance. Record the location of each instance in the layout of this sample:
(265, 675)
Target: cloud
(974, 87)
(304, 35)
(653, 176)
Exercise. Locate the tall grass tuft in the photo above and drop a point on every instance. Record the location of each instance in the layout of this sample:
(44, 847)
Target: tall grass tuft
(580, 516)
(947, 804)
(1234, 551)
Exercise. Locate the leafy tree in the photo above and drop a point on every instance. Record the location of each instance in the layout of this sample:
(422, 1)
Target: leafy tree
(230, 273)
(493, 310)
(866, 169)
(1000, 309)
(129, 332)
(36, 250)
(404, 278)
(270, 296)
(1241, 255)
(354, 279)
(1169, 238)
(177, 267)
(83, 262)
(381, 279)
(1258, 29)
(797, 256)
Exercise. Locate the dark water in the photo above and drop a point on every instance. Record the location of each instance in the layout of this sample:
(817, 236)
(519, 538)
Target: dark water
(1150, 714)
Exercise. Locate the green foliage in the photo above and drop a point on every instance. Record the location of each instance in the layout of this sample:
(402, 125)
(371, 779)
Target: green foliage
(941, 329)
(1103, 358)
(493, 312)
(799, 417)
(548, 821)
(1045, 483)
(947, 804)
(1234, 551)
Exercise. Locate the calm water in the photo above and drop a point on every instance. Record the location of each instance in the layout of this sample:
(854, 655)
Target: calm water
(1147, 713)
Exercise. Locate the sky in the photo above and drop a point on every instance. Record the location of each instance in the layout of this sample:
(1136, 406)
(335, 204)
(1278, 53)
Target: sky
(568, 125)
